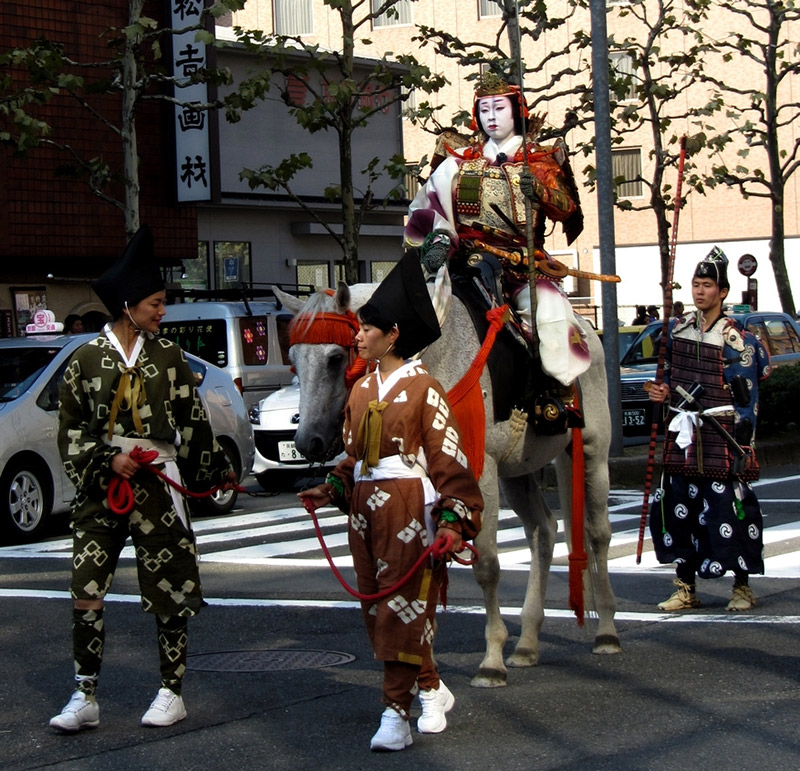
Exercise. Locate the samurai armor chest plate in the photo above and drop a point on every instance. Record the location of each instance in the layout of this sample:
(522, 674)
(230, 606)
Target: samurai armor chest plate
(480, 185)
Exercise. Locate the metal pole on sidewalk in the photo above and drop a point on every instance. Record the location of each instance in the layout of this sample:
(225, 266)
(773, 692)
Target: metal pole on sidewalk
(605, 214)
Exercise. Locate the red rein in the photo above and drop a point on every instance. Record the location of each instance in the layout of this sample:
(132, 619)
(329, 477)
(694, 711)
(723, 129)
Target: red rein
(341, 329)
(120, 493)
(439, 550)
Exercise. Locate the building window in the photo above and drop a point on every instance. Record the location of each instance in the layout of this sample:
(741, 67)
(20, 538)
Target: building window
(622, 71)
(231, 264)
(626, 168)
(314, 273)
(379, 270)
(410, 102)
(195, 272)
(489, 8)
(411, 182)
(398, 14)
(294, 17)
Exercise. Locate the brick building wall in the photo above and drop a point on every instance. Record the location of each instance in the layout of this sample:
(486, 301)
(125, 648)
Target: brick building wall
(55, 225)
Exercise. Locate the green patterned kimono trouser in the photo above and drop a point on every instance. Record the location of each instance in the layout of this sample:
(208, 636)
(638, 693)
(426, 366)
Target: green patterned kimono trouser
(169, 581)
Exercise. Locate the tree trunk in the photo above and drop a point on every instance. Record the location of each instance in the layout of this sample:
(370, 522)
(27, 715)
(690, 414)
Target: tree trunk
(350, 226)
(130, 151)
(777, 251)
(777, 248)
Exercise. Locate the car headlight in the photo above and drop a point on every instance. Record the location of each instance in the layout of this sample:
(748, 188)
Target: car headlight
(255, 416)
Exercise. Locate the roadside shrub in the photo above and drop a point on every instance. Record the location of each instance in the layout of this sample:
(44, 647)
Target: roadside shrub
(779, 402)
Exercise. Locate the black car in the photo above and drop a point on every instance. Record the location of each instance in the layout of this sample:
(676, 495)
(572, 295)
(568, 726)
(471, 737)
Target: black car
(779, 333)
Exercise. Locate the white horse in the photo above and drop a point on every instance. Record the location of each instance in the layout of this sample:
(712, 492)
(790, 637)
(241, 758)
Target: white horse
(321, 369)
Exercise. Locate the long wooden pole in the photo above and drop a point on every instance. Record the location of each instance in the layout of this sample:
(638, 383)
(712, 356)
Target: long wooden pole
(530, 212)
(662, 349)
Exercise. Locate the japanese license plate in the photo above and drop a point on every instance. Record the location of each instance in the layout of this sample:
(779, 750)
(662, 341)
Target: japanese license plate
(633, 417)
(287, 452)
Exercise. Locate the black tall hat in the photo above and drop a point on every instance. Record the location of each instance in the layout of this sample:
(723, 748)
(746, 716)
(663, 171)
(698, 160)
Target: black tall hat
(715, 267)
(402, 298)
(134, 276)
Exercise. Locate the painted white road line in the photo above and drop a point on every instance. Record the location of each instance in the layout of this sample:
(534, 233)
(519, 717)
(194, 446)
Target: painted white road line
(694, 617)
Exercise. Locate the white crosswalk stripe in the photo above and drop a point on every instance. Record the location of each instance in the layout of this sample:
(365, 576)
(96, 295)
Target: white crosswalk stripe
(286, 537)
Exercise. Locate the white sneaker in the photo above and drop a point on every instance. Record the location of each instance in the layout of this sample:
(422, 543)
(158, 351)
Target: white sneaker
(167, 708)
(394, 733)
(435, 703)
(81, 712)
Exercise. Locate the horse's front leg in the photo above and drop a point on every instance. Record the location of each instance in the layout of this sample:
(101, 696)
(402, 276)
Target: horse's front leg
(598, 536)
(492, 671)
(525, 496)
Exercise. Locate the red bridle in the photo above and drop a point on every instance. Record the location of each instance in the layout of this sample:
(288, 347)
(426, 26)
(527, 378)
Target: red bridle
(333, 329)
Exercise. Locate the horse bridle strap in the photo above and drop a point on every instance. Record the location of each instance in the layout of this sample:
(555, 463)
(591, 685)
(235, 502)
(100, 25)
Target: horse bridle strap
(334, 328)
(331, 329)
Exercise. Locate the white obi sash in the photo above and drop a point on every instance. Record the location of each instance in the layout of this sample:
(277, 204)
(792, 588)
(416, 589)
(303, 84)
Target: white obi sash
(393, 467)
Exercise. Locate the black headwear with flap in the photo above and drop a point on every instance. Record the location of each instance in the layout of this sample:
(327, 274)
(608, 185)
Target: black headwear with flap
(715, 267)
(402, 298)
(134, 276)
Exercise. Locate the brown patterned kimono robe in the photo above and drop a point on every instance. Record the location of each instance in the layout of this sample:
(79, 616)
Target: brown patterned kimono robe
(388, 530)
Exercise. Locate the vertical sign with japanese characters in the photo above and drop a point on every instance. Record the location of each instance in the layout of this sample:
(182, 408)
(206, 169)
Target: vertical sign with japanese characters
(191, 124)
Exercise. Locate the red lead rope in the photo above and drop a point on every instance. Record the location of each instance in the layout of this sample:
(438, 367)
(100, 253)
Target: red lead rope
(121, 501)
(120, 493)
(438, 549)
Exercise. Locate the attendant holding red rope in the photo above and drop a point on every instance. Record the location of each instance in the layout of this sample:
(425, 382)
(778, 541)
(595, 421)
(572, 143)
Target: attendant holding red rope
(406, 482)
(128, 398)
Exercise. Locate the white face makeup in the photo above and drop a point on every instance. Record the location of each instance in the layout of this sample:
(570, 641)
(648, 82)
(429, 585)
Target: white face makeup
(497, 117)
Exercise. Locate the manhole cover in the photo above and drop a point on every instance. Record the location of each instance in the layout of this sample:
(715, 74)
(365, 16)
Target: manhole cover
(275, 660)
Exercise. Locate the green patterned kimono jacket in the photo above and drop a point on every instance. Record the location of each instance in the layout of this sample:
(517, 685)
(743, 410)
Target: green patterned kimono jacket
(161, 405)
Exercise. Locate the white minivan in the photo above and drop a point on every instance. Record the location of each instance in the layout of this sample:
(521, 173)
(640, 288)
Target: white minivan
(250, 340)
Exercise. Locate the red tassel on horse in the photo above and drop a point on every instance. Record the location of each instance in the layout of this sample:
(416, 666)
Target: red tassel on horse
(578, 561)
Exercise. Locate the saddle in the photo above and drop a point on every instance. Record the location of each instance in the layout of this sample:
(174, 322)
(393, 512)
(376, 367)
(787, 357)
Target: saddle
(518, 381)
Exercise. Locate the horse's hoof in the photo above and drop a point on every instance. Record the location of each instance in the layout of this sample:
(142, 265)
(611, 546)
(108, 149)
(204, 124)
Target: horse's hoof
(606, 644)
(489, 678)
(523, 657)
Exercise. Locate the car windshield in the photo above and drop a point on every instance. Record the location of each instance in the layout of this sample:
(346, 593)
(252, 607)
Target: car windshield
(644, 350)
(19, 369)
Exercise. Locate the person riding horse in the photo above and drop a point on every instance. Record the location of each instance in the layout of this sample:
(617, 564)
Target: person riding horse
(473, 210)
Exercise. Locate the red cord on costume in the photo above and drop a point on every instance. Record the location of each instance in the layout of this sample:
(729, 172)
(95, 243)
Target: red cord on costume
(120, 493)
(439, 549)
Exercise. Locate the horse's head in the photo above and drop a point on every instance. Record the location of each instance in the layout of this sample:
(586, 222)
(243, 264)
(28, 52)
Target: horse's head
(322, 351)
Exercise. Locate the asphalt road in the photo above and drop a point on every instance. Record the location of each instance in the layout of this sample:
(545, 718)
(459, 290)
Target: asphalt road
(703, 689)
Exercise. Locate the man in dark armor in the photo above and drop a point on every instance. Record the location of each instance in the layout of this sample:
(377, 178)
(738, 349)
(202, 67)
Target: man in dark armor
(705, 516)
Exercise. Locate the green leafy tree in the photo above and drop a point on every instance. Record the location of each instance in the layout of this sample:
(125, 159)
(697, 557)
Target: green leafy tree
(764, 118)
(657, 96)
(134, 73)
(653, 97)
(558, 74)
(342, 97)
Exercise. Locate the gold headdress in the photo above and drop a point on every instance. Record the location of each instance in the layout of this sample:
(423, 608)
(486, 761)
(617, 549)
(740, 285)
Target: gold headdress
(491, 84)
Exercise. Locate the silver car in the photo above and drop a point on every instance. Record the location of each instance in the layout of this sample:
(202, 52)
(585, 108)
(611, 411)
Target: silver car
(32, 481)
(278, 462)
